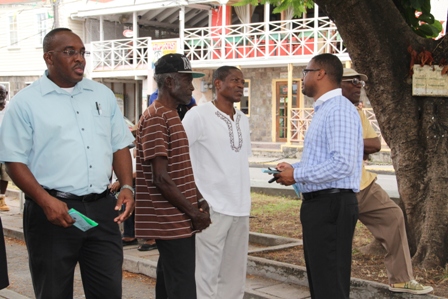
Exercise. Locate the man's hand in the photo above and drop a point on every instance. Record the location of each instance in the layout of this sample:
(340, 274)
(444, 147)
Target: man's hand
(204, 207)
(282, 166)
(201, 220)
(56, 212)
(114, 187)
(286, 175)
(125, 197)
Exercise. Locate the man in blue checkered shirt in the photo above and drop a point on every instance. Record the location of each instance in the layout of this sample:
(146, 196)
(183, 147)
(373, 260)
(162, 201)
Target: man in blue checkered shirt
(328, 176)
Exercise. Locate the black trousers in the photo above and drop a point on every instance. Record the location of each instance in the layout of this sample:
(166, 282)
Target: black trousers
(54, 252)
(4, 282)
(328, 223)
(175, 269)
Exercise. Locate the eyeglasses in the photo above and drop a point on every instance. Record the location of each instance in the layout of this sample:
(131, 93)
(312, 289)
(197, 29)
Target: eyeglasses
(71, 52)
(356, 81)
(305, 71)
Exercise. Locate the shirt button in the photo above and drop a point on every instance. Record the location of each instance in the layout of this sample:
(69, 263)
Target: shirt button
(82, 129)
(88, 147)
(90, 185)
(90, 166)
(77, 112)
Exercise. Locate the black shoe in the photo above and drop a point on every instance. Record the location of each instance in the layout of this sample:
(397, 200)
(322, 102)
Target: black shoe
(147, 247)
(131, 242)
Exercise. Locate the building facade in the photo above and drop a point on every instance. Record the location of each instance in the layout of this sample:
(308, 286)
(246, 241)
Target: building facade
(126, 37)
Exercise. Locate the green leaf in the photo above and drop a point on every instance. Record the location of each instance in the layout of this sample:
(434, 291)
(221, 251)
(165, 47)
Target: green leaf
(438, 26)
(427, 18)
(427, 30)
(409, 16)
(245, 2)
(415, 4)
(426, 6)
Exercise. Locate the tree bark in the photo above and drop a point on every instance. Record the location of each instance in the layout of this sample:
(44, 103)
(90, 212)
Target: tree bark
(415, 128)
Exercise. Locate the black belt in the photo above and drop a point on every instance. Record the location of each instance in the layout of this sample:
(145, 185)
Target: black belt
(84, 198)
(311, 195)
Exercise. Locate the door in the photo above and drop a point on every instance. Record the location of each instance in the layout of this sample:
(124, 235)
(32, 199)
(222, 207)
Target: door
(281, 108)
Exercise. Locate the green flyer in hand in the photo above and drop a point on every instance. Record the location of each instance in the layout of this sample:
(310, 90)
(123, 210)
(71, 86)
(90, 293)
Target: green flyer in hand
(82, 222)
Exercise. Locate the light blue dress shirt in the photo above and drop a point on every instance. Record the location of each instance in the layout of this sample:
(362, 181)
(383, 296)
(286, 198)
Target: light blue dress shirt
(333, 146)
(67, 140)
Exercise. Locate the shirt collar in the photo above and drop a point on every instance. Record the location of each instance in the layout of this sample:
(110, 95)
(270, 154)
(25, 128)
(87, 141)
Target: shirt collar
(49, 86)
(326, 96)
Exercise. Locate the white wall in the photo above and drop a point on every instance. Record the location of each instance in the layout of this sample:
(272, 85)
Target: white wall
(25, 58)
(439, 8)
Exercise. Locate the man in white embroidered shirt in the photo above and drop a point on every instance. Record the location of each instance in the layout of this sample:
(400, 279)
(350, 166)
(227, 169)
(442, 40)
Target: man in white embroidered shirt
(328, 176)
(219, 139)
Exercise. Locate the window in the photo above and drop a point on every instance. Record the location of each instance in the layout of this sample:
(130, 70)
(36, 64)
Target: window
(42, 28)
(244, 105)
(13, 34)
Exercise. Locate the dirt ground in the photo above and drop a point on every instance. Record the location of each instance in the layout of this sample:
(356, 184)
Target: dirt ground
(280, 216)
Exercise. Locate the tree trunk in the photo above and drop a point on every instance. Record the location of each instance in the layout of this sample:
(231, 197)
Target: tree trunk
(415, 128)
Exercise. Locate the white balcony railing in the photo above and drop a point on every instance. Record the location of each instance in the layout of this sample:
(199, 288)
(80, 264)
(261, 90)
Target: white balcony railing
(263, 40)
(119, 54)
(301, 119)
(302, 37)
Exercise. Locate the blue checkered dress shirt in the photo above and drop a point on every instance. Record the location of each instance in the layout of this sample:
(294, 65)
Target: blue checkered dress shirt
(333, 147)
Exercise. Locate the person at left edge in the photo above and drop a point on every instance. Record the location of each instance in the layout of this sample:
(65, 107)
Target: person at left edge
(58, 139)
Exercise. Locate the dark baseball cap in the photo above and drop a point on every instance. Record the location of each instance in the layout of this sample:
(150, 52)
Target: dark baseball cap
(175, 63)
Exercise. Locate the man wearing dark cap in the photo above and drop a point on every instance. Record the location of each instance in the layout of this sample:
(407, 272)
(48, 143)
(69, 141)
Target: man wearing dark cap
(169, 207)
(381, 215)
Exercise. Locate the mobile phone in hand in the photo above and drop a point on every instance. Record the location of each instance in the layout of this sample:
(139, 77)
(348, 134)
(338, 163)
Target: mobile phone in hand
(271, 170)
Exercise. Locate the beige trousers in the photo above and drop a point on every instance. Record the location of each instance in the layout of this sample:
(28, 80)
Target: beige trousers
(385, 220)
(221, 257)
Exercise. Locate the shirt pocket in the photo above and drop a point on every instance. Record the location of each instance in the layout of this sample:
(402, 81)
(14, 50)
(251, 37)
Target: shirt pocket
(102, 123)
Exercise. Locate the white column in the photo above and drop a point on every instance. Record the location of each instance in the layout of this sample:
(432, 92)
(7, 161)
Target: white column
(267, 16)
(223, 30)
(316, 29)
(181, 28)
(134, 38)
(135, 25)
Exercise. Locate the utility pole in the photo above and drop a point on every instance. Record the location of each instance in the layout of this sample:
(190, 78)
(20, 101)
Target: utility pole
(55, 4)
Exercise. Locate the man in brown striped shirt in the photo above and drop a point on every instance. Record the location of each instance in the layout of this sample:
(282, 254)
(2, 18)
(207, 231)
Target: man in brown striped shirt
(169, 208)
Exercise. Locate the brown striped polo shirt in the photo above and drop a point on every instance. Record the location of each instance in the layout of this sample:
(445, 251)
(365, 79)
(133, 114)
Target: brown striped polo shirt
(160, 133)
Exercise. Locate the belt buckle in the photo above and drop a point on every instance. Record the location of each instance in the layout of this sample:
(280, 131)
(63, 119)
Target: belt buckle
(89, 197)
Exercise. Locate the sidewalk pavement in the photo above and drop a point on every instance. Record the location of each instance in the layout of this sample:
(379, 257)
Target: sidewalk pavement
(146, 263)
(289, 282)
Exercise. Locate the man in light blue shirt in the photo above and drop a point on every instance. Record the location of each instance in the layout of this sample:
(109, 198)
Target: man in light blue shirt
(59, 139)
(328, 176)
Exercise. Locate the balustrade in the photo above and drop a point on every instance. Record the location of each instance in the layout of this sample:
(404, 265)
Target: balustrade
(301, 119)
(296, 37)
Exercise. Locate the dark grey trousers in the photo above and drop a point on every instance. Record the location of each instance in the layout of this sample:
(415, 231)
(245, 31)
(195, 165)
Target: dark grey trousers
(54, 252)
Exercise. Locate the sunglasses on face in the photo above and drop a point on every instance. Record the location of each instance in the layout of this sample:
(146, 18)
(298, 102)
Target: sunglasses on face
(356, 82)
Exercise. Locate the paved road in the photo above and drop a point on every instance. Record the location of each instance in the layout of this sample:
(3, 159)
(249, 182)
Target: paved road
(260, 179)
(134, 286)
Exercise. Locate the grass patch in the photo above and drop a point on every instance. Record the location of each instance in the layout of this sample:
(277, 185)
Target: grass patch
(275, 215)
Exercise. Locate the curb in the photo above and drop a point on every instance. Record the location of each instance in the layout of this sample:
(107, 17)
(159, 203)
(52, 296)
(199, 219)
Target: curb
(261, 267)
(8, 294)
(296, 275)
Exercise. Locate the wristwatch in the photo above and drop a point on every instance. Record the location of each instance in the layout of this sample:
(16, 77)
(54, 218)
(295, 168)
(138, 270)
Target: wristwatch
(128, 187)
